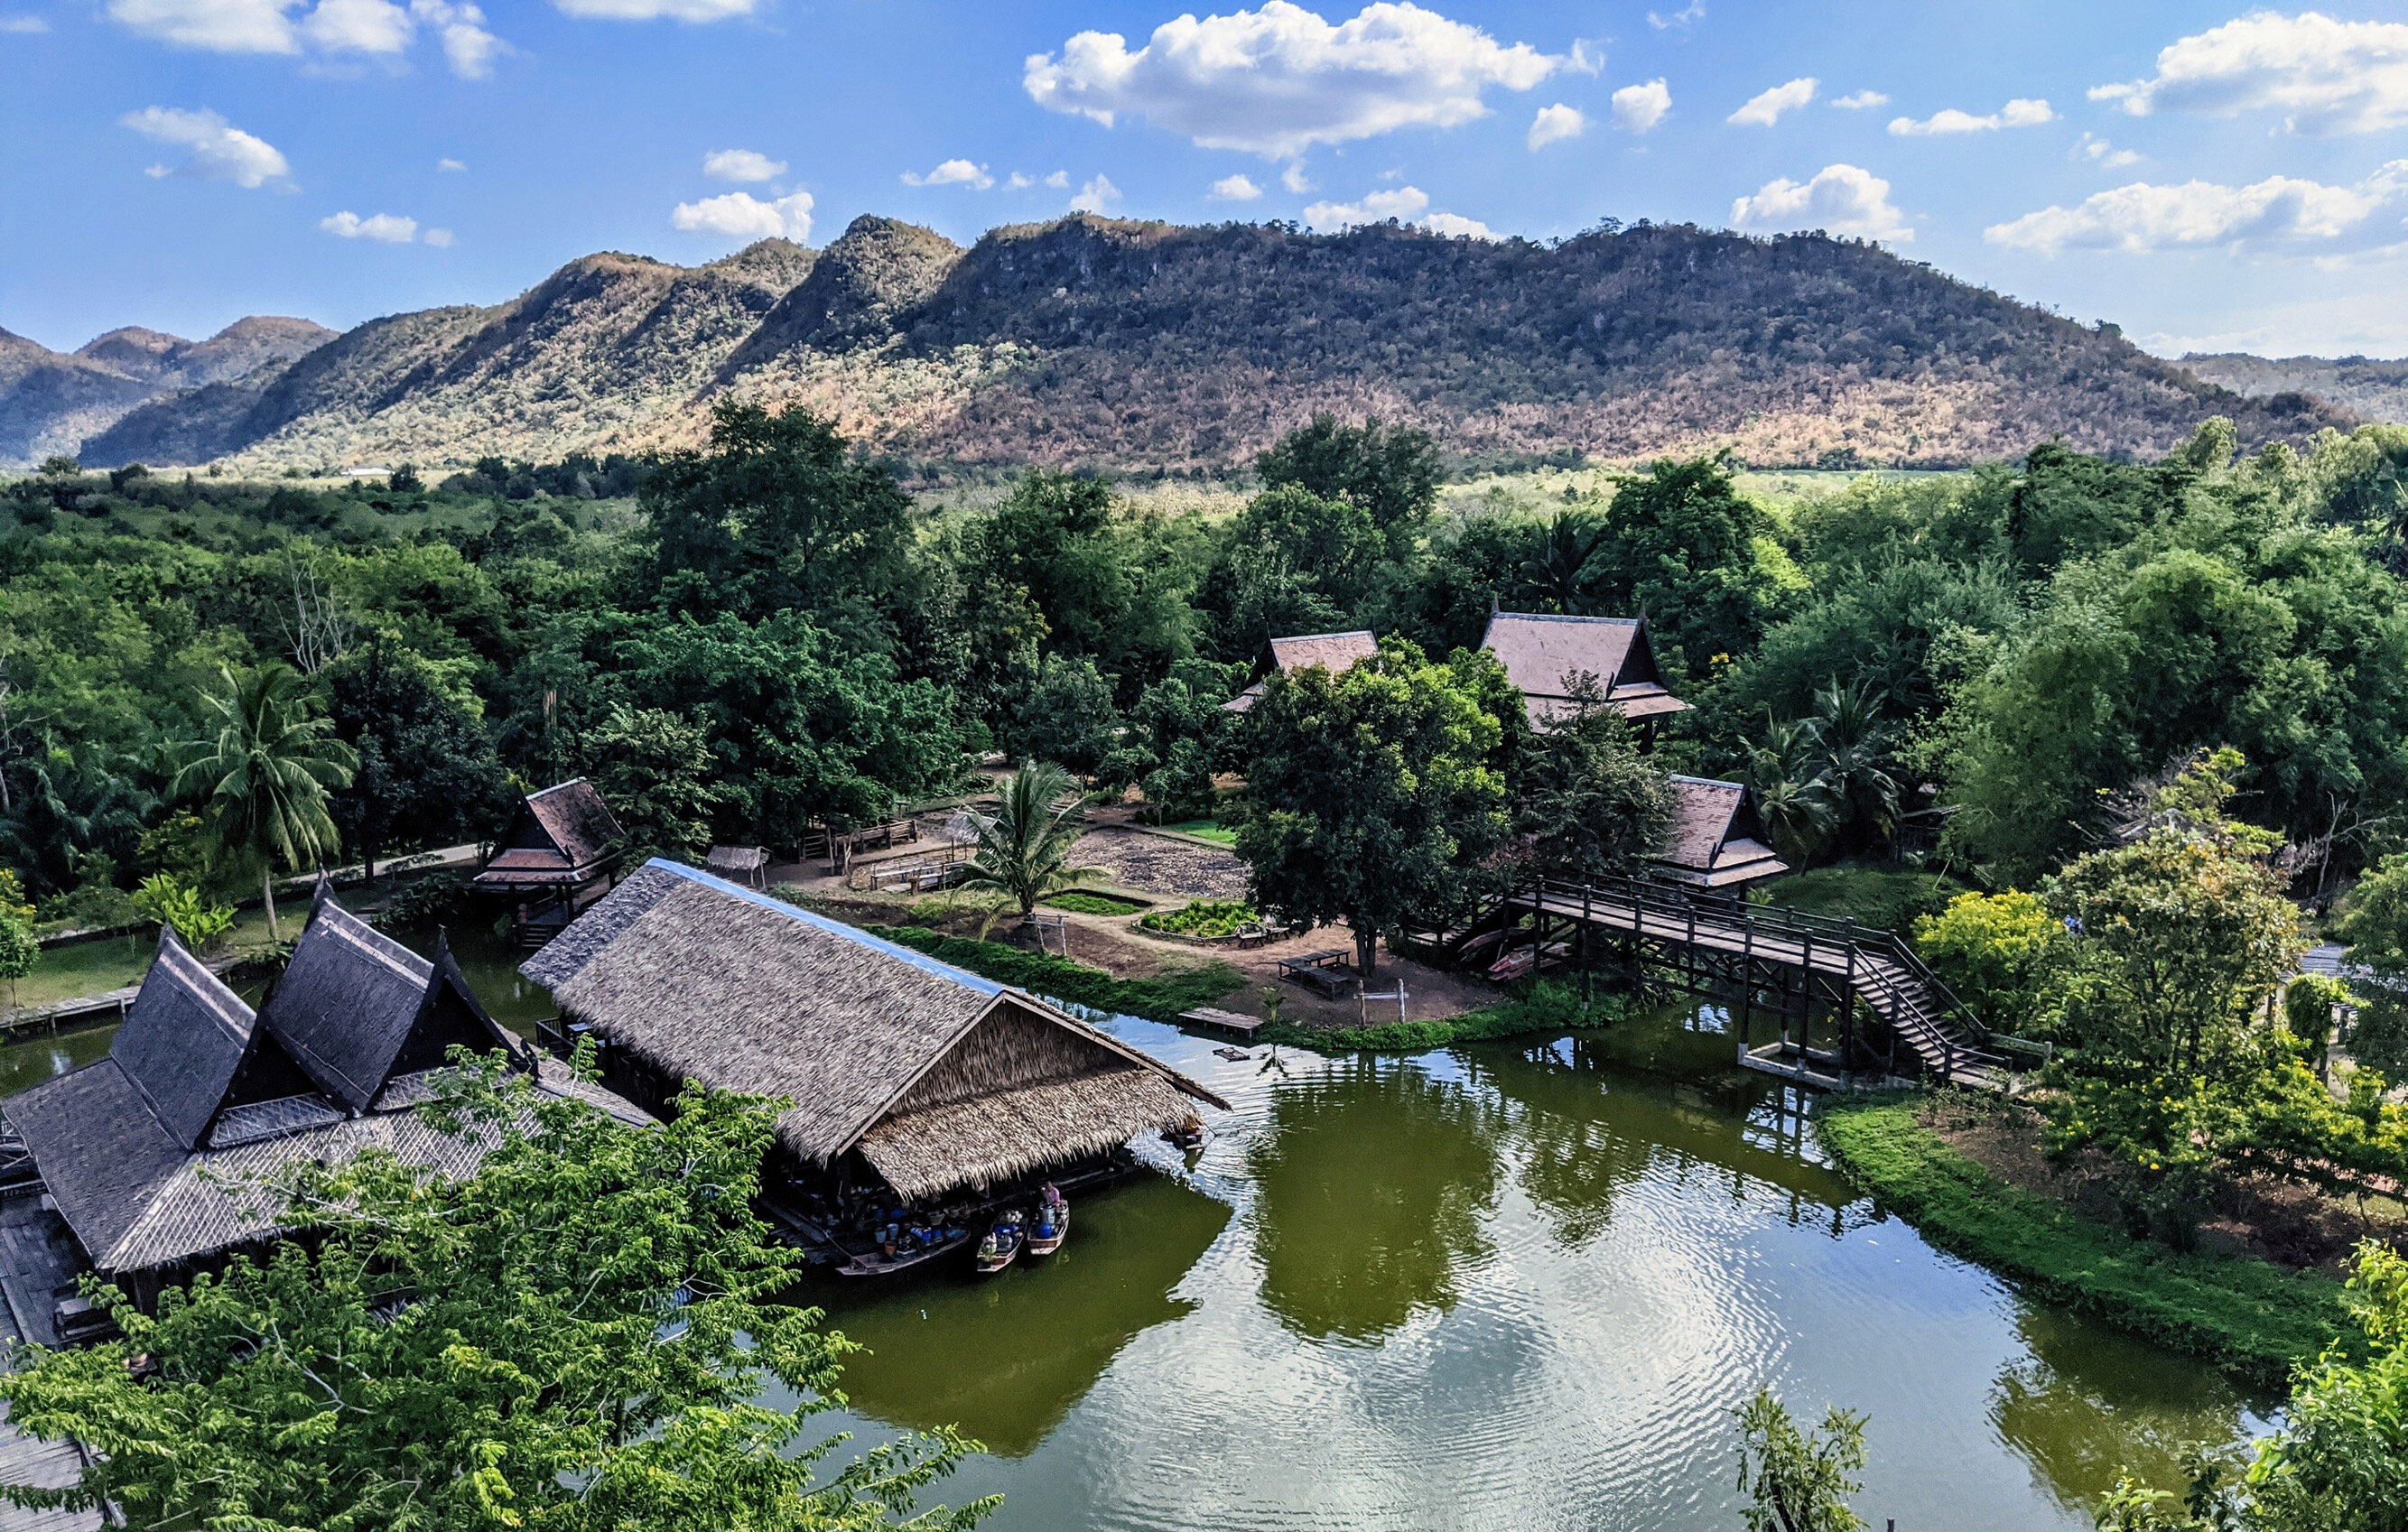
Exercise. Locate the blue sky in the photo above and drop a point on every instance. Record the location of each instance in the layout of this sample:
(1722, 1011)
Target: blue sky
(2200, 174)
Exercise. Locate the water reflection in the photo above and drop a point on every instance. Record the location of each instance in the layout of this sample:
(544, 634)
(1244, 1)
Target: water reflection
(1371, 1188)
(1049, 1327)
(27, 1062)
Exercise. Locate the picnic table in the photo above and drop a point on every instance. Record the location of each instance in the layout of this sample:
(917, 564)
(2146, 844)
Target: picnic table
(1324, 972)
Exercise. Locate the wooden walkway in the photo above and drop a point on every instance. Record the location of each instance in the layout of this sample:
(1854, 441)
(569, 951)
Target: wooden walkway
(35, 1259)
(1874, 966)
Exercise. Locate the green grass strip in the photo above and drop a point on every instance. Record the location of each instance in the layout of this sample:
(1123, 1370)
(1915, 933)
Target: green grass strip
(1545, 1008)
(1159, 999)
(2251, 1318)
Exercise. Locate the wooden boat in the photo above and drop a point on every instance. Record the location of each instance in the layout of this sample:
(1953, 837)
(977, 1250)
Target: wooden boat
(1187, 1135)
(1052, 1226)
(877, 1263)
(1002, 1244)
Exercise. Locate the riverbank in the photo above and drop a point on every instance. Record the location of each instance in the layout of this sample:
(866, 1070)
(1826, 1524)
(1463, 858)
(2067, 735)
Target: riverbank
(2253, 1319)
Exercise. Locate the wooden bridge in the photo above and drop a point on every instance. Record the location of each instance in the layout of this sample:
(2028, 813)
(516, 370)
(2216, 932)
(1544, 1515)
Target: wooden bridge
(1834, 1000)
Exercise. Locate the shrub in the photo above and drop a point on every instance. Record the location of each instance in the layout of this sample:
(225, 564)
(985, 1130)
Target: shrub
(199, 924)
(1206, 918)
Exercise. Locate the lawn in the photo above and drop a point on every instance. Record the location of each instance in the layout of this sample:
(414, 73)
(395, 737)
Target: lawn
(112, 963)
(1884, 898)
(1206, 829)
(1080, 902)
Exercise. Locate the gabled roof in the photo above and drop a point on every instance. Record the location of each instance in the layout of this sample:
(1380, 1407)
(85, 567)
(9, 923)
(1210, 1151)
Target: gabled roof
(1335, 653)
(563, 835)
(346, 1002)
(1717, 842)
(1542, 652)
(184, 1037)
(707, 980)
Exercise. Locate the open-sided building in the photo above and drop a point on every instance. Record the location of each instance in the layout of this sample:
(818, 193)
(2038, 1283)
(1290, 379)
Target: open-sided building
(557, 857)
(1717, 842)
(164, 1154)
(903, 1071)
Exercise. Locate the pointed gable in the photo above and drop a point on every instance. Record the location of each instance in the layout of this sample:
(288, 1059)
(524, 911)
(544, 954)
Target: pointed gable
(1336, 653)
(347, 1003)
(1544, 653)
(1717, 839)
(185, 1039)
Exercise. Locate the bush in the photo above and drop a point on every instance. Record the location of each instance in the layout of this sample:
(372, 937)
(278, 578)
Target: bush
(436, 899)
(1206, 918)
(198, 923)
(1079, 903)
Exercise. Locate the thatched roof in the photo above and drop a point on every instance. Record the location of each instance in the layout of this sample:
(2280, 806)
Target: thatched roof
(941, 1078)
(1335, 653)
(137, 1147)
(562, 836)
(732, 862)
(1717, 842)
(1543, 653)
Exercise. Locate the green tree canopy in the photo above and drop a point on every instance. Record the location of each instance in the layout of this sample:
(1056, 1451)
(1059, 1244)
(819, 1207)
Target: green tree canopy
(1390, 471)
(570, 1339)
(1683, 546)
(264, 781)
(1592, 803)
(427, 774)
(1372, 796)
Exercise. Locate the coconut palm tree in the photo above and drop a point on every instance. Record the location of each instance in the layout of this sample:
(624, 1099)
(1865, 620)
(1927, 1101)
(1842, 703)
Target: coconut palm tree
(1023, 847)
(1559, 578)
(262, 782)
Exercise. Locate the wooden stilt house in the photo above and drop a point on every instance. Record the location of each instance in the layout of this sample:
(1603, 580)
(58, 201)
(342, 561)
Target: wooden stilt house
(160, 1155)
(1717, 842)
(558, 855)
(906, 1073)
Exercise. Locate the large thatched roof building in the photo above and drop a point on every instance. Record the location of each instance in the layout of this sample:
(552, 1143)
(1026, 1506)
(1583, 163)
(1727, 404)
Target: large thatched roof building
(165, 1152)
(933, 1079)
(1335, 653)
(1542, 655)
(1717, 841)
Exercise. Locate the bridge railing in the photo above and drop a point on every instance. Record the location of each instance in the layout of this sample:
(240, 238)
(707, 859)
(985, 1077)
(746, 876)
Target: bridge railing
(1959, 1028)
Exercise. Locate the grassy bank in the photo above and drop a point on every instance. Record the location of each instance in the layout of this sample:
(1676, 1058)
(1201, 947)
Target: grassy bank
(1159, 999)
(2252, 1318)
(1545, 1008)
(119, 962)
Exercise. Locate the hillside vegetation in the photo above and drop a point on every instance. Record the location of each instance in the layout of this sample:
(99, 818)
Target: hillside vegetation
(51, 401)
(2376, 389)
(1089, 340)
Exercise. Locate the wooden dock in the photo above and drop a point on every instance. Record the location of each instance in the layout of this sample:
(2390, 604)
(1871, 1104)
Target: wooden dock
(1235, 1023)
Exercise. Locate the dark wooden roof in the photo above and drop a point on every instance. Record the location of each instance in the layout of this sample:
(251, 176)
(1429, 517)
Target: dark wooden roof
(1717, 842)
(184, 1037)
(1335, 653)
(347, 1001)
(1542, 652)
(562, 836)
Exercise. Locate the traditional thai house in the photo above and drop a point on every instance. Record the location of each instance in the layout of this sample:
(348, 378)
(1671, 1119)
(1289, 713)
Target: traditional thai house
(1548, 657)
(1717, 842)
(557, 857)
(1335, 653)
(163, 1155)
(906, 1073)
(745, 864)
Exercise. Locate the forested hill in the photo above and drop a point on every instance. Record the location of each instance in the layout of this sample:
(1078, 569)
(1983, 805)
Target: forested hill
(2376, 389)
(1094, 340)
(50, 401)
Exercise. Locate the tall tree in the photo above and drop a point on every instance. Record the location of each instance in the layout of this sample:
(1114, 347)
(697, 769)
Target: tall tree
(655, 769)
(1391, 471)
(1372, 796)
(427, 774)
(1023, 847)
(264, 779)
(570, 1338)
(1685, 548)
(1592, 803)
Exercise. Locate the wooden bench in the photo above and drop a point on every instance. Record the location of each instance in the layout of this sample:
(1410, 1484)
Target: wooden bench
(1324, 973)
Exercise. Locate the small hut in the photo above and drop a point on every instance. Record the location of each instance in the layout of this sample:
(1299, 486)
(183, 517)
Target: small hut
(557, 858)
(904, 1071)
(1335, 653)
(746, 865)
(1544, 656)
(1717, 842)
(160, 1155)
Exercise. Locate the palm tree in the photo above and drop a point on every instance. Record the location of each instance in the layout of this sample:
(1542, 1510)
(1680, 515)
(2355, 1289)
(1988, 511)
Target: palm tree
(1023, 847)
(1559, 578)
(264, 780)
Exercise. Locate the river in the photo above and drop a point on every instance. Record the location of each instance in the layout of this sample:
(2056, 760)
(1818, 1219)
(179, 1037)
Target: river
(1505, 1285)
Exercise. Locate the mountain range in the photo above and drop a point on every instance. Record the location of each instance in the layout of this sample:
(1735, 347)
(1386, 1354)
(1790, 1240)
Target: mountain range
(1116, 343)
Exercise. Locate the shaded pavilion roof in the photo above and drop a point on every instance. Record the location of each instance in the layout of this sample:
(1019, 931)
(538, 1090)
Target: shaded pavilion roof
(1717, 842)
(561, 837)
(940, 1077)
(1335, 653)
(1543, 653)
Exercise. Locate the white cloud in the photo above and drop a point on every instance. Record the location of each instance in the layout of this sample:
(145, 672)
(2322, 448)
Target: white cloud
(23, 23)
(2019, 113)
(1277, 81)
(219, 150)
(1585, 57)
(655, 11)
(1452, 224)
(1059, 180)
(1096, 196)
(448, 164)
(743, 165)
(1406, 203)
(2326, 76)
(1236, 189)
(1765, 109)
(741, 215)
(1857, 100)
(1840, 199)
(332, 27)
(1555, 124)
(1640, 108)
(440, 239)
(953, 173)
(385, 228)
(1694, 11)
(2278, 216)
(2101, 153)
(1295, 179)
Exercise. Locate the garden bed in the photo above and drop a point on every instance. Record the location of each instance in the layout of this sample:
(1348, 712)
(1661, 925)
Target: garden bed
(1083, 902)
(1204, 922)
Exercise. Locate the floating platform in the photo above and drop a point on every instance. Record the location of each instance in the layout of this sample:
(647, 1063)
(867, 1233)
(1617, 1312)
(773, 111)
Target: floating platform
(1235, 1024)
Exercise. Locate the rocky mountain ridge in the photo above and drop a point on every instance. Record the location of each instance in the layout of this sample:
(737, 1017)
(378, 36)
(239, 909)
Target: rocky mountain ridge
(1119, 343)
(51, 401)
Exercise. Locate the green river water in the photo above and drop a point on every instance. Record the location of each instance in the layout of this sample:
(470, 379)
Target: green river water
(1514, 1285)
